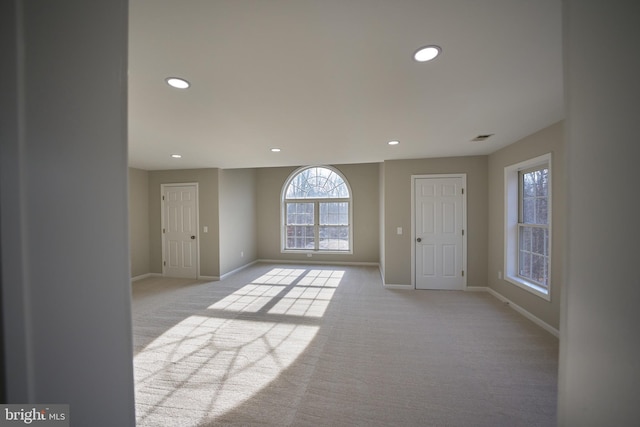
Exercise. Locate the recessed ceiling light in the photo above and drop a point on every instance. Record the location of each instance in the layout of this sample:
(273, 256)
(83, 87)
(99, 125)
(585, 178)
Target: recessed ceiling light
(427, 53)
(393, 142)
(176, 156)
(177, 82)
(275, 150)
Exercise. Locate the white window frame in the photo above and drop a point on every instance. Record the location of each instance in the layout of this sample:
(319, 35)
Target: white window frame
(511, 224)
(316, 202)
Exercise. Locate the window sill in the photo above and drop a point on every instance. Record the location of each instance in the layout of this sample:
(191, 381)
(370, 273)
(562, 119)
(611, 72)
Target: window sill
(312, 252)
(530, 287)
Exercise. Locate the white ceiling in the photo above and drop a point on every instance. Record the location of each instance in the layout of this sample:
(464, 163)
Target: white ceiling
(332, 81)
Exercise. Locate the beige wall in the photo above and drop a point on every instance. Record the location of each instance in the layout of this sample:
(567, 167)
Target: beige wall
(242, 210)
(139, 221)
(363, 179)
(238, 226)
(549, 140)
(207, 180)
(397, 213)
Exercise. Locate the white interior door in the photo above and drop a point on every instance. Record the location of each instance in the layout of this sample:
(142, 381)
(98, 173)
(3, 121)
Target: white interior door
(439, 231)
(180, 231)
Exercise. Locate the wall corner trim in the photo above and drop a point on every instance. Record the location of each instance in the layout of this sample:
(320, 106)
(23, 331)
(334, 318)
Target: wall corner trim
(144, 276)
(234, 271)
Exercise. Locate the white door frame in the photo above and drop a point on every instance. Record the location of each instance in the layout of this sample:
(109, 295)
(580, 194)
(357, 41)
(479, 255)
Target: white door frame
(413, 222)
(181, 184)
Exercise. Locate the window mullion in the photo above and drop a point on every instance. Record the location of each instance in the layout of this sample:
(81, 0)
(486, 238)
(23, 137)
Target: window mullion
(316, 225)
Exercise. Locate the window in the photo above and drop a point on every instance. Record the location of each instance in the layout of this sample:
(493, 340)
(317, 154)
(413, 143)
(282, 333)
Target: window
(528, 225)
(316, 211)
(533, 226)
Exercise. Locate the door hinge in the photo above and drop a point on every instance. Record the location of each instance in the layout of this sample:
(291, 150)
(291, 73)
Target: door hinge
(163, 231)
(462, 273)
(463, 191)
(164, 263)
(162, 197)
(463, 232)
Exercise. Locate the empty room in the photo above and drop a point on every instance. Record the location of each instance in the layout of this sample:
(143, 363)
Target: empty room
(344, 258)
(322, 213)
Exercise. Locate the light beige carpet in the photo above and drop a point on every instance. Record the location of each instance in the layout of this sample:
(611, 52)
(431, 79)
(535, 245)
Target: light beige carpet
(290, 345)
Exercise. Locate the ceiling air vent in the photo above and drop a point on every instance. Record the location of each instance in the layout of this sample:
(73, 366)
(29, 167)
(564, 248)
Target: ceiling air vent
(480, 138)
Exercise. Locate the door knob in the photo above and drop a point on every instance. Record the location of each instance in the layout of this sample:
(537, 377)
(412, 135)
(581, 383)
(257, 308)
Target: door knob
(419, 239)
(193, 237)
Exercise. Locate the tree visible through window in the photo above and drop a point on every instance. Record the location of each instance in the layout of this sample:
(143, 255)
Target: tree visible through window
(527, 225)
(533, 226)
(316, 211)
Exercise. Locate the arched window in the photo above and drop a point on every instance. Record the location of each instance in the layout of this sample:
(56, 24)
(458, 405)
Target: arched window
(316, 211)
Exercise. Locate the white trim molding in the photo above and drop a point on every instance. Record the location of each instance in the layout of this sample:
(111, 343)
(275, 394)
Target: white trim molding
(295, 261)
(236, 270)
(511, 212)
(391, 285)
(145, 276)
(535, 319)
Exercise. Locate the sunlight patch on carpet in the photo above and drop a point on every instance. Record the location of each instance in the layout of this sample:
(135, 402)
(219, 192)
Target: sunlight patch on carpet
(209, 363)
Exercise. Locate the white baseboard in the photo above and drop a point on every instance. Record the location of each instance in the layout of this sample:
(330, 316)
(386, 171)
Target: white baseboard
(147, 275)
(292, 261)
(535, 319)
(232, 272)
(144, 276)
(391, 285)
(412, 287)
